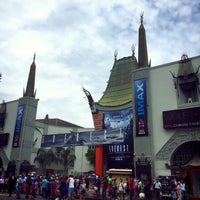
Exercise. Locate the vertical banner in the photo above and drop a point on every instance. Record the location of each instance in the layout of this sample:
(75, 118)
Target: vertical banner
(140, 107)
(18, 125)
(120, 154)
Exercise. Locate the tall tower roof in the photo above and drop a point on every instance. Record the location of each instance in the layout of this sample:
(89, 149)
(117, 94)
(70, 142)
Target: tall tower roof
(119, 88)
(30, 87)
(142, 45)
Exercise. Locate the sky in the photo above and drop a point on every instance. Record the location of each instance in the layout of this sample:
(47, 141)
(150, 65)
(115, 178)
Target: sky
(75, 41)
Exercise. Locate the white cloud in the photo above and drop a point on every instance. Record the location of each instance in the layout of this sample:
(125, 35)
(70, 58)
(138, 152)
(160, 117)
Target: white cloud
(75, 41)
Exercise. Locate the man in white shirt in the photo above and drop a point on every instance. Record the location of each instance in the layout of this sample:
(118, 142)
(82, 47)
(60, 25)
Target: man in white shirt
(182, 188)
(70, 181)
(157, 186)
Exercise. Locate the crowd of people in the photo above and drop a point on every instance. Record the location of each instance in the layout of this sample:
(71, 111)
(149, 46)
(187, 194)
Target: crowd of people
(53, 187)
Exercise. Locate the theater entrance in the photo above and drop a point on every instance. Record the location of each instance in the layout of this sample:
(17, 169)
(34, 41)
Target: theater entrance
(185, 164)
(192, 179)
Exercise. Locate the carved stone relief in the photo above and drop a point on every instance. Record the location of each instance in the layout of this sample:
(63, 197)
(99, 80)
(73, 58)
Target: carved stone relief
(178, 138)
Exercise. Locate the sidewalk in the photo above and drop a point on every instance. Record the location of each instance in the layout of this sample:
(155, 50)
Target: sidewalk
(89, 196)
(5, 196)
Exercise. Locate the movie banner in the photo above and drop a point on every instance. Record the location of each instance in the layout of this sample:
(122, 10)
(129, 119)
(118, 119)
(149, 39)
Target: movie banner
(88, 138)
(18, 125)
(140, 107)
(120, 154)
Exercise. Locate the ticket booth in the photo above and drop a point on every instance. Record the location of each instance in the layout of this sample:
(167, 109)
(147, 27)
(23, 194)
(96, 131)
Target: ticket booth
(124, 174)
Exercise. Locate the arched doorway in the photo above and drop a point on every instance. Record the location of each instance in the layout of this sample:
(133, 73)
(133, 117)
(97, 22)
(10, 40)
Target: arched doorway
(185, 163)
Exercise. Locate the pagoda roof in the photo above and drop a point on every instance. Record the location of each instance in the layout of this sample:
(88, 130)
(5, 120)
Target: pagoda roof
(119, 90)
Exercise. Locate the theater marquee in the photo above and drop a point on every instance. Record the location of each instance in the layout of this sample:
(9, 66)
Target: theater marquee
(181, 118)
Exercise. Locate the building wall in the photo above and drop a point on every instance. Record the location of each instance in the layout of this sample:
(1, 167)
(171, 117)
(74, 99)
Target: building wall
(11, 113)
(81, 164)
(164, 97)
(160, 144)
(33, 141)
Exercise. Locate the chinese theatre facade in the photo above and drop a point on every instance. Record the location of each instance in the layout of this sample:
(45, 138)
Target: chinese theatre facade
(158, 109)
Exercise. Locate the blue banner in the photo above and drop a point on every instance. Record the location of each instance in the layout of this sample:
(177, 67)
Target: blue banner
(83, 138)
(18, 124)
(140, 107)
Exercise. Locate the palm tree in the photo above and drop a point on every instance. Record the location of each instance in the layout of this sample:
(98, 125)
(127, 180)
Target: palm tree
(44, 158)
(68, 158)
(58, 151)
(90, 155)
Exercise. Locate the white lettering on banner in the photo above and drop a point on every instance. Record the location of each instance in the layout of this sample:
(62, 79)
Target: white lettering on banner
(140, 99)
(118, 148)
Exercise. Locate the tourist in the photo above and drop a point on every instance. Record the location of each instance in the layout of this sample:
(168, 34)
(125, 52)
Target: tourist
(48, 189)
(174, 190)
(131, 188)
(114, 188)
(44, 187)
(182, 188)
(82, 189)
(11, 185)
(71, 187)
(147, 190)
(121, 189)
(19, 186)
(28, 185)
(157, 186)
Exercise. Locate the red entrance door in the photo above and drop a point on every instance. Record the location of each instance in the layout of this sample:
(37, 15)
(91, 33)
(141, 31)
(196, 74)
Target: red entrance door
(192, 181)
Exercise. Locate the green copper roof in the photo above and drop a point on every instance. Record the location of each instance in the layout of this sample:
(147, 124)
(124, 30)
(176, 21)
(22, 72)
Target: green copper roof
(119, 90)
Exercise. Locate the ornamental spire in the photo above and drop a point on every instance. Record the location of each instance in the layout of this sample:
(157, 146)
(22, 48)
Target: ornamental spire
(141, 17)
(30, 87)
(142, 47)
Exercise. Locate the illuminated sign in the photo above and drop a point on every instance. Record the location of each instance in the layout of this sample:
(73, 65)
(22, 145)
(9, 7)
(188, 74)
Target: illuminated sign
(189, 117)
(140, 107)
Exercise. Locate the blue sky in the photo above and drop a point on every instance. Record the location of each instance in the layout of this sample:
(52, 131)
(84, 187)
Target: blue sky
(74, 42)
